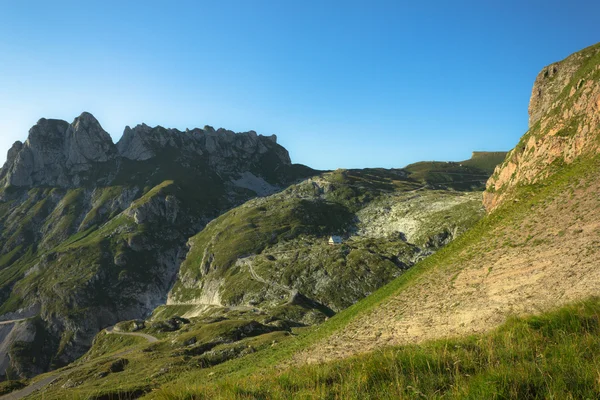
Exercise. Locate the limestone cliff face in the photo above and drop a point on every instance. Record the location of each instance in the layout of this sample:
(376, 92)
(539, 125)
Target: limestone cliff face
(58, 153)
(222, 148)
(564, 124)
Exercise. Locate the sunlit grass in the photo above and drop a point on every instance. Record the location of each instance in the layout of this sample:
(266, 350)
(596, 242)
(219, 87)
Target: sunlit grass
(554, 355)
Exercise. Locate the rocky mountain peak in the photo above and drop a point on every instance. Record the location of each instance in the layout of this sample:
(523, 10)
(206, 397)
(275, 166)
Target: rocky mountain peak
(13, 151)
(87, 142)
(221, 147)
(57, 153)
(564, 124)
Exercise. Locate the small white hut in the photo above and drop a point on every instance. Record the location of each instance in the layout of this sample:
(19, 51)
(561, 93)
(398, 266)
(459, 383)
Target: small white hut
(333, 240)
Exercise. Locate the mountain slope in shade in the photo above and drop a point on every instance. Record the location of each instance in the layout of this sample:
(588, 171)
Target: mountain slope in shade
(92, 233)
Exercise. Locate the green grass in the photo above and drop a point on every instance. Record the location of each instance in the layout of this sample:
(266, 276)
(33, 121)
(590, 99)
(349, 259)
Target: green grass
(448, 175)
(485, 160)
(553, 355)
(169, 311)
(456, 253)
(105, 344)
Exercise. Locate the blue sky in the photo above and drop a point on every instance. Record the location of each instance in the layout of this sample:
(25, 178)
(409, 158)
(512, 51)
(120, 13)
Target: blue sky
(343, 84)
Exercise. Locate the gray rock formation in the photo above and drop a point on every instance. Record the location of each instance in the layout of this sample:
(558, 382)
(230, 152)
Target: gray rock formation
(57, 153)
(222, 149)
(86, 142)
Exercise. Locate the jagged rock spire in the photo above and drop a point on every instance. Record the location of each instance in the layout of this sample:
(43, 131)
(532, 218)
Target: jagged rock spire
(57, 153)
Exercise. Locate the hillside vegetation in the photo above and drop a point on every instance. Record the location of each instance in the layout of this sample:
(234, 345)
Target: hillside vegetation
(263, 273)
(429, 333)
(448, 327)
(553, 355)
(271, 250)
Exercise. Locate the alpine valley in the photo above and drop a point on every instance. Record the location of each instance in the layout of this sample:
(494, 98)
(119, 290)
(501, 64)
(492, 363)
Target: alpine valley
(200, 222)
(205, 265)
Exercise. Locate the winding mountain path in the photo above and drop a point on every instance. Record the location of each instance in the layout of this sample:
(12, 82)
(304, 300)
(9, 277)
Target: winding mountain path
(149, 338)
(19, 394)
(292, 292)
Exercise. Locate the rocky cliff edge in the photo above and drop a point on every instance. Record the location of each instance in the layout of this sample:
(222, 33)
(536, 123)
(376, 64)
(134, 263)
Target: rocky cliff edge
(564, 122)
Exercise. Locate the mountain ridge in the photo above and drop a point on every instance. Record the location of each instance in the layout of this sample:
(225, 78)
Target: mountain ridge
(60, 154)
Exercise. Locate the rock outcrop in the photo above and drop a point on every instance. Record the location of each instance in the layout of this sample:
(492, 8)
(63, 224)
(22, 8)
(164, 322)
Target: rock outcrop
(222, 149)
(564, 122)
(58, 154)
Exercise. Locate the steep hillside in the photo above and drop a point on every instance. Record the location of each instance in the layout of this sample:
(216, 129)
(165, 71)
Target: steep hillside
(271, 249)
(535, 252)
(262, 273)
(92, 233)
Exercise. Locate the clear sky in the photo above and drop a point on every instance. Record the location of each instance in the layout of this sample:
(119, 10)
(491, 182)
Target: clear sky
(342, 83)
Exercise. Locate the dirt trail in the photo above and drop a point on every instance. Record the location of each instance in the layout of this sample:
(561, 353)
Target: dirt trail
(149, 338)
(13, 321)
(19, 394)
(292, 292)
(521, 267)
(30, 389)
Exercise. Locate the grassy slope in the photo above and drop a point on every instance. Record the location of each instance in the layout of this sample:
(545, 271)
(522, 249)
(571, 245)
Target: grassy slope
(519, 377)
(288, 232)
(486, 160)
(553, 355)
(468, 175)
(368, 181)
